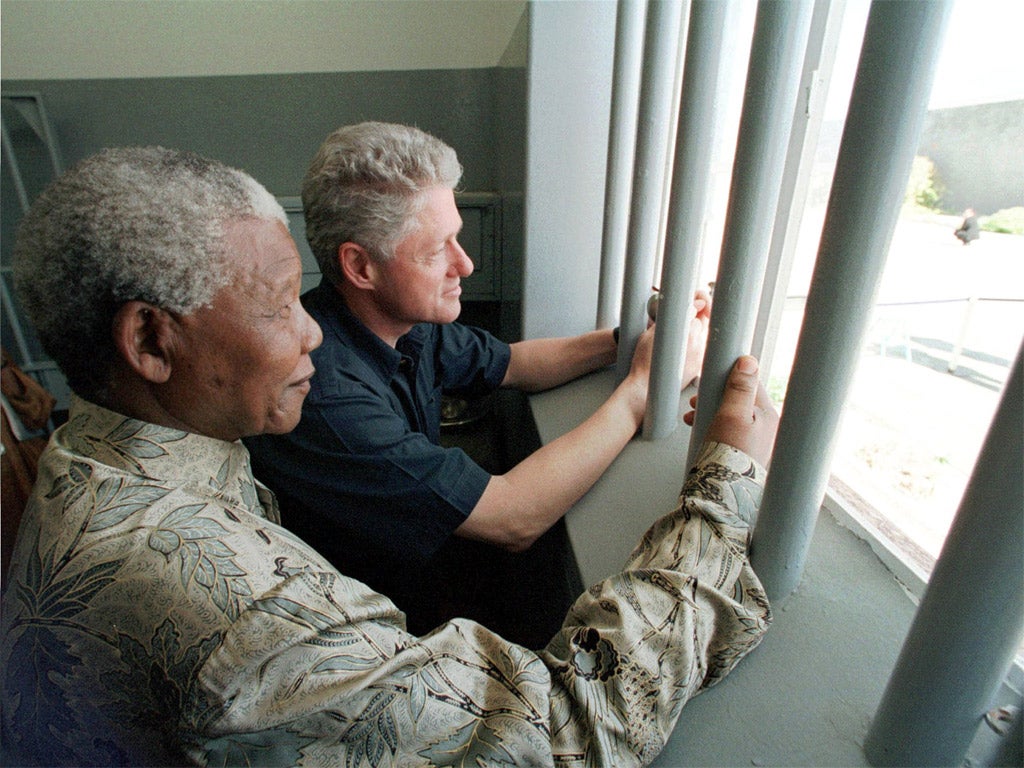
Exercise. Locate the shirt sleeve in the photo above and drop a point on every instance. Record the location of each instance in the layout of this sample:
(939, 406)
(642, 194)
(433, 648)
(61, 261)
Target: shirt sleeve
(472, 361)
(318, 670)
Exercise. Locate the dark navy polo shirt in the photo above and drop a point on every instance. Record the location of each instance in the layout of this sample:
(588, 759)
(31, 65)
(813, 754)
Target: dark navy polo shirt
(363, 477)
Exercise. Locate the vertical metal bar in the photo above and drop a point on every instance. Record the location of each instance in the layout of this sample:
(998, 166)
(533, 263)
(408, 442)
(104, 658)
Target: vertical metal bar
(822, 42)
(629, 44)
(691, 183)
(954, 358)
(890, 95)
(776, 55)
(49, 138)
(13, 320)
(15, 169)
(969, 625)
(30, 107)
(661, 54)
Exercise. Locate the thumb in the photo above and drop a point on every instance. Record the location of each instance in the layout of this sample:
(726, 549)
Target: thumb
(746, 418)
(740, 391)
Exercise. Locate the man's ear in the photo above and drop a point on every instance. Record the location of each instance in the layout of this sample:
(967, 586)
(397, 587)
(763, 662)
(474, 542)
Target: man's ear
(358, 267)
(143, 334)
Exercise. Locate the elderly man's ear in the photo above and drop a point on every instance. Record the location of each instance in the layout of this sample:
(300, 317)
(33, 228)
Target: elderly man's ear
(144, 336)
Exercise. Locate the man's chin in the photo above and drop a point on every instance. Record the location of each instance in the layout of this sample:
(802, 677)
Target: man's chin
(452, 312)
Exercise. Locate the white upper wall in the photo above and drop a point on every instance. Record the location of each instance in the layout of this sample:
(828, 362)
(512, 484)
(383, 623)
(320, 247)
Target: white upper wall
(572, 49)
(72, 39)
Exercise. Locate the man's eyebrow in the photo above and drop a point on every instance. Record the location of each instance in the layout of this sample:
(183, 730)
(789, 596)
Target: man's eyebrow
(278, 287)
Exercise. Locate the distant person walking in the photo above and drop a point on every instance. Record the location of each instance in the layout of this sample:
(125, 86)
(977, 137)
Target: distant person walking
(969, 229)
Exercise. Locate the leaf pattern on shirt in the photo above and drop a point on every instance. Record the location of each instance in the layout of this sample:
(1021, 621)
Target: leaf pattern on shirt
(475, 743)
(374, 735)
(44, 713)
(154, 682)
(130, 443)
(116, 500)
(157, 615)
(53, 596)
(71, 486)
(206, 560)
(272, 746)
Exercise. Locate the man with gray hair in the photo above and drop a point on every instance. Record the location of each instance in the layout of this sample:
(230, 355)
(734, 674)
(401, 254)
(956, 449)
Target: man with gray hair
(364, 477)
(156, 613)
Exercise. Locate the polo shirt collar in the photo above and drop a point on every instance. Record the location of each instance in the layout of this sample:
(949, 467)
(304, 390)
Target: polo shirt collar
(384, 358)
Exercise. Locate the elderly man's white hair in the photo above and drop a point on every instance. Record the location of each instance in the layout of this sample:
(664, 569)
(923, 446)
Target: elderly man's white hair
(131, 223)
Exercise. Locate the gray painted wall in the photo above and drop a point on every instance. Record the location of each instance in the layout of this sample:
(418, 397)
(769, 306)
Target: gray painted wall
(977, 155)
(271, 126)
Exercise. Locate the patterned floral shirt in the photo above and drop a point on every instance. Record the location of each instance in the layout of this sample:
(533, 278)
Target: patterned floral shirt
(156, 613)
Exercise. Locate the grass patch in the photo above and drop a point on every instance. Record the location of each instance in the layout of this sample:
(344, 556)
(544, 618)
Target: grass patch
(1008, 221)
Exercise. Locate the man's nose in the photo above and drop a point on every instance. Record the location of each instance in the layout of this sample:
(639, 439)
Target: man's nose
(462, 263)
(313, 334)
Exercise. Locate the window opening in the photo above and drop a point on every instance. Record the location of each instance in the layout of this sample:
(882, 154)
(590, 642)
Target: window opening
(949, 317)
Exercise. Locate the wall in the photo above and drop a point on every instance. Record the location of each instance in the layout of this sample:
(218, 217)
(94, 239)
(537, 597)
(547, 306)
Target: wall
(54, 39)
(569, 97)
(454, 69)
(271, 125)
(977, 155)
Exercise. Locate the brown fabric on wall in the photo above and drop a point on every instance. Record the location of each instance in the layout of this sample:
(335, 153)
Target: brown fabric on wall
(32, 404)
(27, 396)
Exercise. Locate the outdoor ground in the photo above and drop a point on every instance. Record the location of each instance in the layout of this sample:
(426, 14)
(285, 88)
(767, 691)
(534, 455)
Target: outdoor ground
(912, 429)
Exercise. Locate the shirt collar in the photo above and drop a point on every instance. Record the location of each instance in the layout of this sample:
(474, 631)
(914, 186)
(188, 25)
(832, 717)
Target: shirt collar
(213, 467)
(336, 317)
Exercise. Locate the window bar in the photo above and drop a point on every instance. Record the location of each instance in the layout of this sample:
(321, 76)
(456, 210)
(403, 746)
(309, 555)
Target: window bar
(691, 184)
(822, 43)
(655, 123)
(969, 625)
(30, 107)
(887, 108)
(629, 44)
(773, 78)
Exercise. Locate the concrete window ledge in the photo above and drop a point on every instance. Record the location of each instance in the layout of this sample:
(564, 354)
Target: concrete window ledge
(807, 695)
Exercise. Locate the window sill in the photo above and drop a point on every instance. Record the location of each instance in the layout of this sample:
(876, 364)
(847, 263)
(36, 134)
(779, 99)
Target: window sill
(833, 644)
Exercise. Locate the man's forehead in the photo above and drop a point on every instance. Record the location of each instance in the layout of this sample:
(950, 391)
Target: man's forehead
(440, 213)
(261, 246)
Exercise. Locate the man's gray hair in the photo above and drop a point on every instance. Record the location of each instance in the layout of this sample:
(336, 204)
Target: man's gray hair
(130, 223)
(363, 187)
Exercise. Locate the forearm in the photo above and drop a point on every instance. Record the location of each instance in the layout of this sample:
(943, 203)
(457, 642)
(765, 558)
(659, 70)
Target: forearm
(539, 364)
(522, 504)
(636, 647)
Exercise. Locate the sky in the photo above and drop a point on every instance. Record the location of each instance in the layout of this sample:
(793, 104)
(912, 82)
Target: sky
(982, 59)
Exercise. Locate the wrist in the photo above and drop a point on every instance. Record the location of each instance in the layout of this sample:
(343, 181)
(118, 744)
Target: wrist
(634, 393)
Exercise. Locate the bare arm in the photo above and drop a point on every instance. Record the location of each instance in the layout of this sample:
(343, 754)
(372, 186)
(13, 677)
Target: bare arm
(519, 506)
(539, 364)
